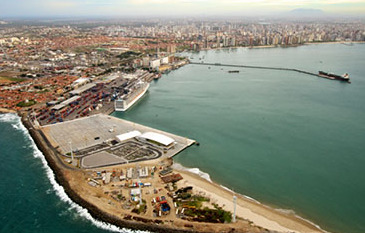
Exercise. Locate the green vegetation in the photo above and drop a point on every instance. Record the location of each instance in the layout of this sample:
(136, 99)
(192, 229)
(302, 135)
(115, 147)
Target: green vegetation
(140, 208)
(26, 103)
(11, 79)
(193, 205)
(192, 201)
(150, 51)
(216, 215)
(39, 87)
(128, 54)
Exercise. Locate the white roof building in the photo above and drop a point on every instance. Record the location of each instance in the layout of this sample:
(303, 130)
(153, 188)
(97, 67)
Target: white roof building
(130, 172)
(80, 81)
(143, 172)
(82, 89)
(65, 103)
(129, 135)
(160, 139)
(135, 192)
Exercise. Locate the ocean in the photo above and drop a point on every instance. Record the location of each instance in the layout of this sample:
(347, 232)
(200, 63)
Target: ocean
(289, 140)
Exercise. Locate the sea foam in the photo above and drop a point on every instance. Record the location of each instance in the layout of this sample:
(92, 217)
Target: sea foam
(16, 123)
(206, 176)
(82, 212)
(197, 171)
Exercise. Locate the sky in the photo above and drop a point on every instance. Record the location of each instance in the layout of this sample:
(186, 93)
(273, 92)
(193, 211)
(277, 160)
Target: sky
(121, 8)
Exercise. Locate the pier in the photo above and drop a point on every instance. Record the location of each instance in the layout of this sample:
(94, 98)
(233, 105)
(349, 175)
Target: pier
(258, 67)
(94, 141)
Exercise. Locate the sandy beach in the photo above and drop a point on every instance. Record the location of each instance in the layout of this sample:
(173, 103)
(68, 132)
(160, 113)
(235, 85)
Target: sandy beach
(5, 110)
(251, 215)
(257, 213)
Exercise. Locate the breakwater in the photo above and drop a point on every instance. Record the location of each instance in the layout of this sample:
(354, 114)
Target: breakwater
(258, 67)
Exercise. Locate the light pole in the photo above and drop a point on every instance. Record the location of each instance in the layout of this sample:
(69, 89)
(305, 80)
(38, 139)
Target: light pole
(234, 208)
(72, 154)
(139, 186)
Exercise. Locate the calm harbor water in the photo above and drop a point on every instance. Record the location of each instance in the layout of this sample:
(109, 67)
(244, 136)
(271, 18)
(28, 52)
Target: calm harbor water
(290, 140)
(293, 141)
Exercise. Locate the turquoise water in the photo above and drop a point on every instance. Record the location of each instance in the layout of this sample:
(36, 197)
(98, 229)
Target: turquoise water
(31, 200)
(289, 140)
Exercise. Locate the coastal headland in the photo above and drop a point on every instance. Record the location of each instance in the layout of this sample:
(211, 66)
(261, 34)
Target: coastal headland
(172, 198)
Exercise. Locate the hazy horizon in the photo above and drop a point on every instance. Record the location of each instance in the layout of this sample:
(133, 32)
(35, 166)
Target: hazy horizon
(161, 8)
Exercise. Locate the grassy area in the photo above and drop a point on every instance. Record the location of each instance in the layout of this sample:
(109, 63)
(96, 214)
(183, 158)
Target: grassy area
(140, 208)
(216, 215)
(128, 54)
(26, 103)
(194, 210)
(10, 79)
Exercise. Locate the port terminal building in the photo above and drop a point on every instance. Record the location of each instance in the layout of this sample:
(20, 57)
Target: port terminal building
(157, 139)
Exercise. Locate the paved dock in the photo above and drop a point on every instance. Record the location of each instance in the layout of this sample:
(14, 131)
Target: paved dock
(95, 131)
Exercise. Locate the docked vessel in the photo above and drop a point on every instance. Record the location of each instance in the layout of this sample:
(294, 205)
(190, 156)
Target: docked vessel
(345, 77)
(124, 102)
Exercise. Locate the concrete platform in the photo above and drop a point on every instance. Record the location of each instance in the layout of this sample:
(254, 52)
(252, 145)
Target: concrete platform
(101, 159)
(97, 129)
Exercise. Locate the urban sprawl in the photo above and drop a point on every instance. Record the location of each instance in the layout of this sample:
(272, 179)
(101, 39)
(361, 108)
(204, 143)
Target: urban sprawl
(41, 63)
(64, 79)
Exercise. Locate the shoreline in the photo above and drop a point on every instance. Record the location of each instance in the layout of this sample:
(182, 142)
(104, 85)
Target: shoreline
(281, 46)
(60, 177)
(249, 209)
(55, 163)
(265, 215)
(5, 110)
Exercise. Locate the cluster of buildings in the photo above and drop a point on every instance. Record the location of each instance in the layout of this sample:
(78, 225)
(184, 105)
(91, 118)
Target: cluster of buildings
(47, 59)
(203, 34)
(38, 90)
(56, 60)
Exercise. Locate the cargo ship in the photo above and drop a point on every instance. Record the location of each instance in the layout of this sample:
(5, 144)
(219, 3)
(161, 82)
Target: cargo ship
(126, 101)
(345, 77)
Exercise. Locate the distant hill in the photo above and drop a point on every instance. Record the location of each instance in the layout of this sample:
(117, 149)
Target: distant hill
(306, 12)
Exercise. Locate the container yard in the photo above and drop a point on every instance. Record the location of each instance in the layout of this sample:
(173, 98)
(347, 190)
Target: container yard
(89, 99)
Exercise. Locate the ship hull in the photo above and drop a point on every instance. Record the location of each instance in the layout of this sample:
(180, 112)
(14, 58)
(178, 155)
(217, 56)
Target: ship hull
(131, 103)
(333, 76)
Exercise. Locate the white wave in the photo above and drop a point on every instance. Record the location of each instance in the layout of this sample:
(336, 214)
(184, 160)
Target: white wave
(206, 176)
(197, 171)
(59, 190)
(15, 126)
(286, 211)
(9, 117)
(238, 194)
(82, 212)
(292, 212)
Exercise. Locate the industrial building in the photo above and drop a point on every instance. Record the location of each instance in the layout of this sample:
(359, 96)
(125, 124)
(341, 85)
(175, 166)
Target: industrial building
(157, 139)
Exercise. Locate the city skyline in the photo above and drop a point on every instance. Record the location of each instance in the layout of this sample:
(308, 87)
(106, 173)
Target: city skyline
(126, 8)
